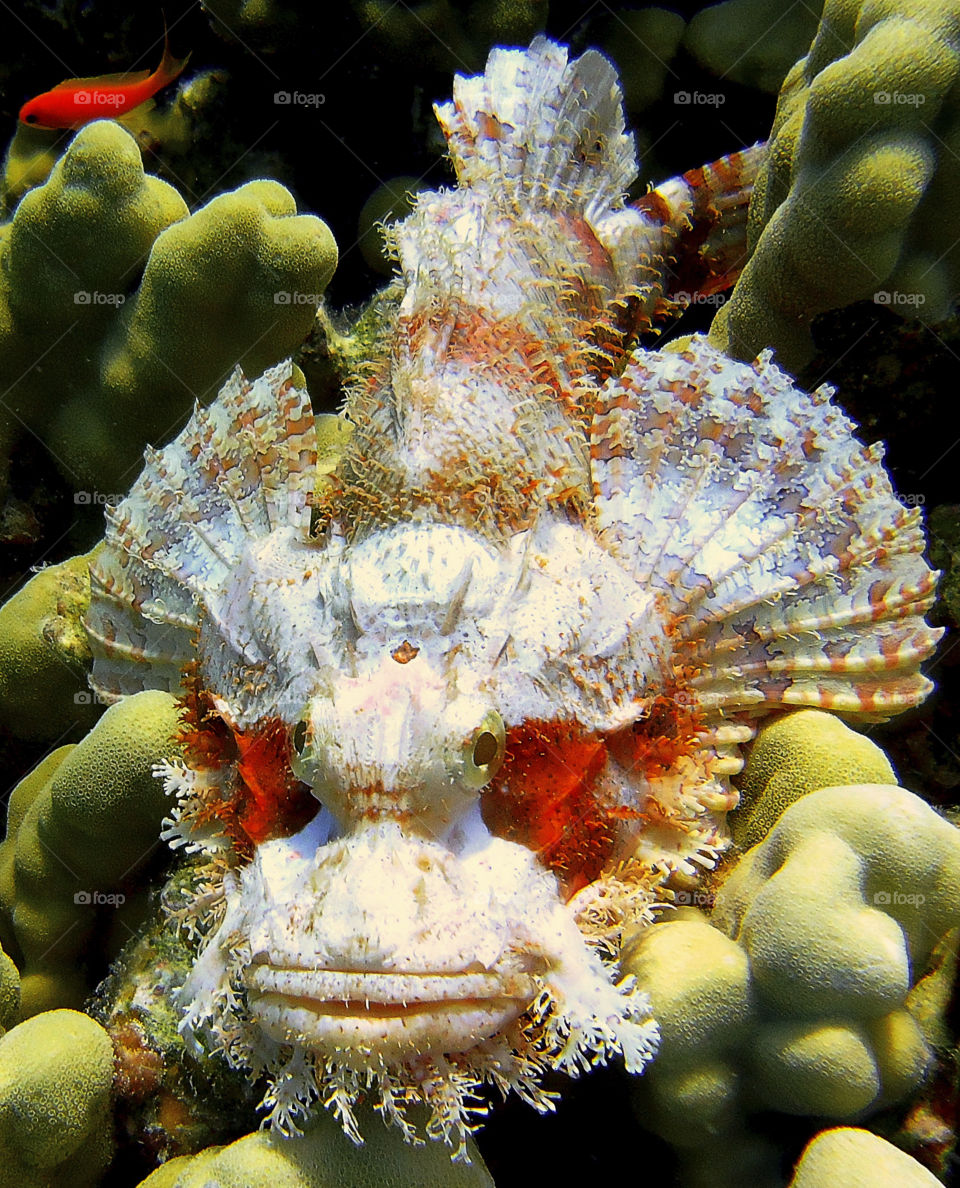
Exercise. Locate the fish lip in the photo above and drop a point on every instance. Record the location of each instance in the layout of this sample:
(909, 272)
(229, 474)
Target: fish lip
(372, 1019)
(333, 991)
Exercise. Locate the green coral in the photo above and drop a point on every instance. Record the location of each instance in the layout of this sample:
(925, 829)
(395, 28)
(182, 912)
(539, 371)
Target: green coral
(858, 1159)
(9, 992)
(797, 753)
(702, 996)
(448, 36)
(45, 655)
(182, 1101)
(28, 162)
(794, 996)
(443, 35)
(21, 798)
(752, 42)
(56, 1125)
(847, 895)
(267, 24)
(118, 310)
(324, 1157)
(81, 827)
(856, 198)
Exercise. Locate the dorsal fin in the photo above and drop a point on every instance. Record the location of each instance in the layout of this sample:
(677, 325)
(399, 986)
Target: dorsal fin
(103, 81)
(537, 131)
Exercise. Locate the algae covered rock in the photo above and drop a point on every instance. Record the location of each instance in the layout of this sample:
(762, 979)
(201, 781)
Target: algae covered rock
(323, 1157)
(856, 198)
(56, 1125)
(45, 655)
(858, 1159)
(797, 753)
(138, 308)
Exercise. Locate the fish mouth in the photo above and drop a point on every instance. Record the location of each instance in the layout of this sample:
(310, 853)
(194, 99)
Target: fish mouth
(394, 1014)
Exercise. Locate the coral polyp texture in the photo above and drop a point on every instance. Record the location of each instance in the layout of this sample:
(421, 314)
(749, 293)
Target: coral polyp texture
(797, 993)
(319, 1158)
(798, 753)
(164, 303)
(63, 856)
(855, 200)
(45, 654)
(56, 1124)
(453, 716)
(857, 1157)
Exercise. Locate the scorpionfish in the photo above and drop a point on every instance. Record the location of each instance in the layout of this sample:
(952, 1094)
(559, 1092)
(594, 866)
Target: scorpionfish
(457, 717)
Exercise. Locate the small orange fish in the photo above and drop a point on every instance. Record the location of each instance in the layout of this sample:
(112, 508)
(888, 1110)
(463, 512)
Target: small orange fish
(78, 101)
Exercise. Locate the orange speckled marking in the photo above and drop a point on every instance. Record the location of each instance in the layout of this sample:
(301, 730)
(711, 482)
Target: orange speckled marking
(273, 802)
(543, 798)
(656, 743)
(268, 801)
(206, 739)
(546, 795)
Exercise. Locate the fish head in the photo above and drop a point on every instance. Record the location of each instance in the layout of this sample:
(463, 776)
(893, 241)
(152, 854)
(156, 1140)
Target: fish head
(398, 934)
(39, 112)
(400, 743)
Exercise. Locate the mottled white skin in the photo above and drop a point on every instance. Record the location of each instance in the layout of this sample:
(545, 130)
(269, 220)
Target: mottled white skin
(379, 948)
(521, 624)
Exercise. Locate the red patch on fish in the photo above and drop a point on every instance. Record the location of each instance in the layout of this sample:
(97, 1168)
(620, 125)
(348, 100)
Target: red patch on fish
(267, 800)
(543, 798)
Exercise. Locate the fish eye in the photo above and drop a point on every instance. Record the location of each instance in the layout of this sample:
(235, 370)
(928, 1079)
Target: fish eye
(485, 748)
(484, 751)
(30, 119)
